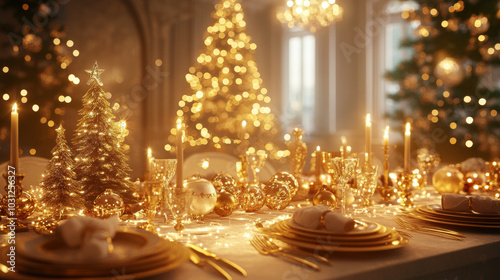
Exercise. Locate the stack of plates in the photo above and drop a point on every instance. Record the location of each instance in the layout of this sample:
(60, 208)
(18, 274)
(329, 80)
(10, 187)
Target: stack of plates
(136, 254)
(434, 213)
(366, 236)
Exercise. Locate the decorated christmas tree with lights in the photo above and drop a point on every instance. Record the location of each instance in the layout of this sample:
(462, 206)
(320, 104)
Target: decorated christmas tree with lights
(61, 192)
(227, 104)
(100, 162)
(33, 72)
(447, 87)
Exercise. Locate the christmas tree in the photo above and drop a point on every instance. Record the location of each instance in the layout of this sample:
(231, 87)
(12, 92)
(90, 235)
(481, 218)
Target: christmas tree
(33, 71)
(100, 161)
(61, 191)
(445, 86)
(227, 103)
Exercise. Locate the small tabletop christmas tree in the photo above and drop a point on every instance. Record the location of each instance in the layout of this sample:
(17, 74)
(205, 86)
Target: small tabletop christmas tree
(61, 190)
(100, 161)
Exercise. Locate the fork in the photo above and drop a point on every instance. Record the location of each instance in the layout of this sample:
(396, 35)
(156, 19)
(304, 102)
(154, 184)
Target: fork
(272, 245)
(266, 250)
(429, 230)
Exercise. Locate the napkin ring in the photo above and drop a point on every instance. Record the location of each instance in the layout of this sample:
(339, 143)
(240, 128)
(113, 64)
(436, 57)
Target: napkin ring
(322, 217)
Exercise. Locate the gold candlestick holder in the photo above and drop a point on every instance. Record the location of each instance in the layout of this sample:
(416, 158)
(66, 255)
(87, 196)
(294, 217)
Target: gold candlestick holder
(386, 190)
(404, 185)
(16, 204)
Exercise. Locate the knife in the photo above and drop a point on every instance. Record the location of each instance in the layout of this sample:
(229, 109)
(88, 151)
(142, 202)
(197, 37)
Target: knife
(215, 257)
(193, 257)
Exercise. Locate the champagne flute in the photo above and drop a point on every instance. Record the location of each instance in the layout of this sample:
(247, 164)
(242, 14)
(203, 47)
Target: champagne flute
(345, 169)
(163, 170)
(256, 161)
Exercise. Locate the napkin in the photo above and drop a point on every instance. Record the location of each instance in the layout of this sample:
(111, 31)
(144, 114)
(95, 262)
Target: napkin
(479, 203)
(90, 236)
(455, 202)
(310, 217)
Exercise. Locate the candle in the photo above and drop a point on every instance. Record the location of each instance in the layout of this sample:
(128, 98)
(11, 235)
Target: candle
(368, 126)
(348, 151)
(318, 161)
(180, 152)
(386, 137)
(148, 164)
(407, 147)
(244, 132)
(14, 138)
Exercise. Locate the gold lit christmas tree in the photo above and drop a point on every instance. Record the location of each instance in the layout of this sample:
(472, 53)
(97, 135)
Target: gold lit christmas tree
(100, 160)
(227, 108)
(61, 190)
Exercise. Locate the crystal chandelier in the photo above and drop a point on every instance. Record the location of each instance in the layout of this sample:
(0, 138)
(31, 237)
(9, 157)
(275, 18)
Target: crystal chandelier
(310, 14)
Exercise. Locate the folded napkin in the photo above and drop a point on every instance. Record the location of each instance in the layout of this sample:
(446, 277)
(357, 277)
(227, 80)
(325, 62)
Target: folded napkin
(90, 236)
(311, 218)
(479, 203)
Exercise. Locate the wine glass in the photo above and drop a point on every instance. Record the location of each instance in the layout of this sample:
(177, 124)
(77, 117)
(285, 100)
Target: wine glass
(256, 160)
(152, 190)
(163, 170)
(346, 170)
(178, 196)
(367, 183)
(426, 161)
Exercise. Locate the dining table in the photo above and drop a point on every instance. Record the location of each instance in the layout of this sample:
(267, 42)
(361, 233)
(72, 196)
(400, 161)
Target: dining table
(425, 256)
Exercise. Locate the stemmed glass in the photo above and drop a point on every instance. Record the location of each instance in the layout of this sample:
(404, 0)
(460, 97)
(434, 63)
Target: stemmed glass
(256, 161)
(152, 191)
(163, 170)
(426, 161)
(367, 183)
(346, 170)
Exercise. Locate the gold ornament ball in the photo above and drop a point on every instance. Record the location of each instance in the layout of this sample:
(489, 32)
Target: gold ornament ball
(448, 179)
(108, 204)
(450, 71)
(474, 181)
(225, 182)
(252, 198)
(288, 179)
(24, 206)
(324, 197)
(277, 195)
(226, 203)
(202, 196)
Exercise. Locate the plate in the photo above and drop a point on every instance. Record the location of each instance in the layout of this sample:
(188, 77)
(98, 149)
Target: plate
(361, 227)
(128, 245)
(397, 242)
(381, 233)
(447, 221)
(437, 208)
(174, 255)
(440, 216)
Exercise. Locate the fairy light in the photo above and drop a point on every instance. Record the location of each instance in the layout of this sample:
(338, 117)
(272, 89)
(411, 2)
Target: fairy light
(310, 14)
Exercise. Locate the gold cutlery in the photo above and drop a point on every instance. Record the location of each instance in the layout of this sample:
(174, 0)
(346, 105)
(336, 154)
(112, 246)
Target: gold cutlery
(429, 230)
(194, 258)
(275, 246)
(217, 258)
(265, 249)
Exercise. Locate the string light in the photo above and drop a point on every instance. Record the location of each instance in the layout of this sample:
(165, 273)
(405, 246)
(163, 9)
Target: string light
(310, 14)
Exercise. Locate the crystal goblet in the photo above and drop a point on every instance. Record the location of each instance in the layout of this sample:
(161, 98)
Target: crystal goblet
(256, 161)
(345, 168)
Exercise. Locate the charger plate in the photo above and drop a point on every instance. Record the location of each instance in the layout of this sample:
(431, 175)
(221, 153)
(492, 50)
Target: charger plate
(470, 215)
(437, 217)
(433, 214)
(397, 241)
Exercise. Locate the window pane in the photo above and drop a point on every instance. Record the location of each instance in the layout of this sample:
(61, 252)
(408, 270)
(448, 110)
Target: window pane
(309, 81)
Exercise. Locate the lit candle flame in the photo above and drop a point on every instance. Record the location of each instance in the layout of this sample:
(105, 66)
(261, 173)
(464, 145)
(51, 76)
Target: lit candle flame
(318, 148)
(368, 120)
(150, 153)
(386, 133)
(14, 108)
(408, 129)
(244, 123)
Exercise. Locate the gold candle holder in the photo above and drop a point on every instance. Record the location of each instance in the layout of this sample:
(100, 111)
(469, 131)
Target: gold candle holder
(16, 204)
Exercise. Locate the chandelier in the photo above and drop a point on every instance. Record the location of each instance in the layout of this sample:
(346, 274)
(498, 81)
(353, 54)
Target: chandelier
(310, 14)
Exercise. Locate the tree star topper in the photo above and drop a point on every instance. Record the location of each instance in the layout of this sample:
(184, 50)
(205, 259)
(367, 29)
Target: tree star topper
(60, 129)
(95, 74)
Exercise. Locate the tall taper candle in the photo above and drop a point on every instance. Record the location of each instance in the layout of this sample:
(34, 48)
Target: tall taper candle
(180, 152)
(318, 161)
(407, 147)
(148, 164)
(386, 156)
(368, 147)
(14, 138)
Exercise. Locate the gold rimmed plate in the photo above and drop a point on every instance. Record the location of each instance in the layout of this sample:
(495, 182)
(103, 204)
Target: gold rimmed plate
(361, 228)
(127, 245)
(432, 214)
(397, 241)
(429, 218)
(473, 215)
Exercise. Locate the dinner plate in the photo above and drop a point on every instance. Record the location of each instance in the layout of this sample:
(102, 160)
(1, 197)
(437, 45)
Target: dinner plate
(440, 216)
(474, 215)
(381, 233)
(27, 269)
(360, 228)
(127, 245)
(397, 242)
(430, 218)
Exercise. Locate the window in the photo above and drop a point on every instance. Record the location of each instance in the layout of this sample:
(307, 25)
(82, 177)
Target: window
(300, 79)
